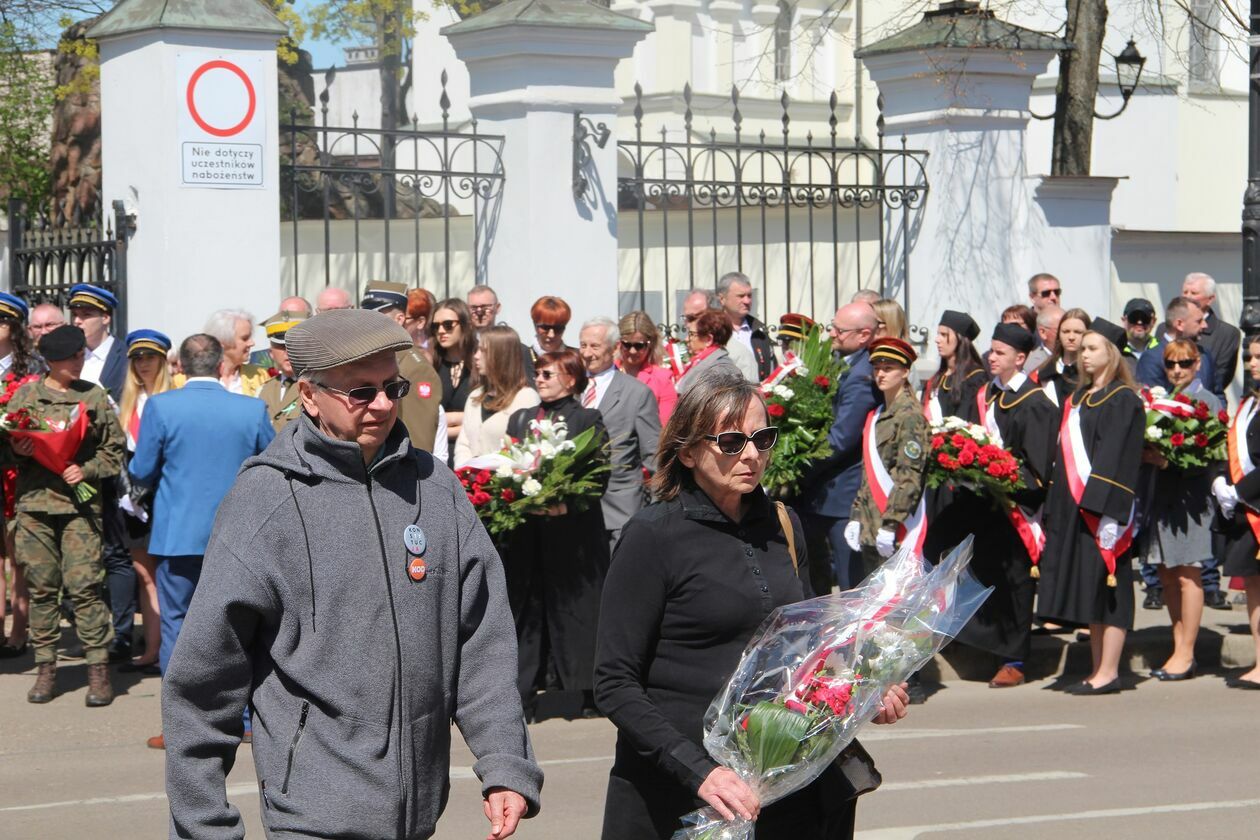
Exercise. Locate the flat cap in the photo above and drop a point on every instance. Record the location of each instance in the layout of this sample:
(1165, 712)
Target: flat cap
(61, 343)
(341, 336)
(147, 341)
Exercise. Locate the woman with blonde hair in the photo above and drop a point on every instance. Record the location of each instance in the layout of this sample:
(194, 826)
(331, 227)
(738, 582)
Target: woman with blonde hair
(891, 319)
(639, 356)
(503, 391)
(1085, 569)
(147, 376)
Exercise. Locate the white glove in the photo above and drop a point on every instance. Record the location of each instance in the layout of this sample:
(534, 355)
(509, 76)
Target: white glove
(885, 542)
(1108, 532)
(1226, 496)
(853, 535)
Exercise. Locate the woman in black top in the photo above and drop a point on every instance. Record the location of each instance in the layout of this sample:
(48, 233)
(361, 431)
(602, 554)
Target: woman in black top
(555, 564)
(693, 577)
(1061, 374)
(453, 343)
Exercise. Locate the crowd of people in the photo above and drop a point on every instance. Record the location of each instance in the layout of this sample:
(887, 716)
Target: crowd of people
(637, 605)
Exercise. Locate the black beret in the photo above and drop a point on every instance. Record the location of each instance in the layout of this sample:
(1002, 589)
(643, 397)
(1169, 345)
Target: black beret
(62, 343)
(961, 323)
(1016, 336)
(1112, 332)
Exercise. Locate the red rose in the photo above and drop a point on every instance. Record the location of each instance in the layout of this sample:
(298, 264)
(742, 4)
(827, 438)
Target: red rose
(938, 441)
(775, 410)
(995, 470)
(480, 498)
(1201, 410)
(967, 458)
(822, 382)
(1182, 398)
(508, 495)
(272, 372)
(957, 440)
(1223, 416)
(483, 476)
(1177, 439)
(1201, 440)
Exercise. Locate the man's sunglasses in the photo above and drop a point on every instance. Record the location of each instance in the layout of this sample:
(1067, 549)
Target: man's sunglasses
(481, 308)
(1184, 364)
(634, 345)
(558, 329)
(1139, 320)
(733, 443)
(366, 395)
(1045, 293)
(446, 326)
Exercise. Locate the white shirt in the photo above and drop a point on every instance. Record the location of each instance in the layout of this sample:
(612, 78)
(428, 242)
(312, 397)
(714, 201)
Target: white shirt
(6, 364)
(441, 446)
(234, 384)
(94, 361)
(602, 380)
(213, 379)
(744, 333)
(1017, 382)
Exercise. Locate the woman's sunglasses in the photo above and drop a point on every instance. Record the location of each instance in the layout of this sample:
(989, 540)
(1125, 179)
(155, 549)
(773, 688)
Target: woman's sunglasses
(445, 326)
(733, 443)
(395, 391)
(1184, 364)
(558, 329)
(545, 375)
(634, 345)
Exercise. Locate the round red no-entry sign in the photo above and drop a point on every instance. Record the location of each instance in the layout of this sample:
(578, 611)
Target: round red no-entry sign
(246, 98)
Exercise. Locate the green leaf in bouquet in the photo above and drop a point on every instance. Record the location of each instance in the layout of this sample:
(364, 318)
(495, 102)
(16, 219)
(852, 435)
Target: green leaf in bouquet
(774, 734)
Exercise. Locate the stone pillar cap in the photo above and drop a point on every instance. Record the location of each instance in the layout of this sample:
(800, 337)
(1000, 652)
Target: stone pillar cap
(961, 24)
(131, 16)
(571, 14)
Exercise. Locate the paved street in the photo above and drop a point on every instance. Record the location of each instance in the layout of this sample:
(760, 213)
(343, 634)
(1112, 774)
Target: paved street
(972, 763)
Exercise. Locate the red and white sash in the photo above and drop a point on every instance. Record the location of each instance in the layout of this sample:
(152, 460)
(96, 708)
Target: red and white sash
(1027, 525)
(987, 417)
(931, 404)
(913, 530)
(1076, 466)
(790, 363)
(674, 359)
(1240, 464)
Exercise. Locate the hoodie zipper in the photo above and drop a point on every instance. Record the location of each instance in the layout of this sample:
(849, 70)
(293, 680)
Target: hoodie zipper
(398, 670)
(293, 745)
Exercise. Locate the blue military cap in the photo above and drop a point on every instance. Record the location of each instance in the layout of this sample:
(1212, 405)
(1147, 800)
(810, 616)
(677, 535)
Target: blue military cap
(379, 296)
(147, 341)
(85, 294)
(12, 306)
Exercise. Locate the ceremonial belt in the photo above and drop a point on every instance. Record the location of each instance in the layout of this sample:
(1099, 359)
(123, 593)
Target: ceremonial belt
(914, 530)
(1077, 467)
(1026, 525)
(1240, 464)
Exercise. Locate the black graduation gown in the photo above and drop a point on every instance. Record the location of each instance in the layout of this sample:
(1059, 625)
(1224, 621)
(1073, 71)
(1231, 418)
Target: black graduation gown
(949, 510)
(555, 568)
(1073, 586)
(1239, 540)
(1063, 383)
(1029, 424)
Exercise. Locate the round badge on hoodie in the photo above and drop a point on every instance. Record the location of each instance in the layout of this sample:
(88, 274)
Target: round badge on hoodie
(414, 539)
(416, 568)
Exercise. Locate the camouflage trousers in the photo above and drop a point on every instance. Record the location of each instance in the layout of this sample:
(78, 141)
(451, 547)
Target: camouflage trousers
(63, 551)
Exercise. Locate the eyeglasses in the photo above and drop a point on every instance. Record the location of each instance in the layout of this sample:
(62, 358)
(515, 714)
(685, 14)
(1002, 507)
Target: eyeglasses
(637, 346)
(838, 331)
(691, 319)
(1184, 364)
(733, 443)
(1045, 293)
(558, 329)
(545, 375)
(366, 395)
(481, 308)
(446, 326)
(692, 334)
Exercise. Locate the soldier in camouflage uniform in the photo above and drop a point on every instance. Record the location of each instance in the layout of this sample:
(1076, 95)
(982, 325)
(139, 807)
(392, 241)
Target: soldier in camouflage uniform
(280, 393)
(58, 537)
(901, 439)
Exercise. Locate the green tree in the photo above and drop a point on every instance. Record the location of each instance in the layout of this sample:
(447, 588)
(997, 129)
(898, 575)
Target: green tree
(389, 25)
(26, 102)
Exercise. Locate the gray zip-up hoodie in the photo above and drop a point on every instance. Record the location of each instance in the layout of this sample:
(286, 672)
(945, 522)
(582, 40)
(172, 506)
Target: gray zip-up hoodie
(354, 670)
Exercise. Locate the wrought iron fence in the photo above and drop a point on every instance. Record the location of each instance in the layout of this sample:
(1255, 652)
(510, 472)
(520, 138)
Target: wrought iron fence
(48, 254)
(400, 189)
(814, 192)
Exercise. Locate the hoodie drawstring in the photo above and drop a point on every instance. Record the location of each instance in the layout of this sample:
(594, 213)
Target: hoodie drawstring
(310, 563)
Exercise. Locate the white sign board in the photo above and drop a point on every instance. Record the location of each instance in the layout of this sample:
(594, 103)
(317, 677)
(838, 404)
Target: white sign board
(222, 130)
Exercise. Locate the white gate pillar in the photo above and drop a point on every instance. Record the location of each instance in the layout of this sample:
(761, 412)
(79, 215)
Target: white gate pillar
(957, 84)
(190, 144)
(553, 230)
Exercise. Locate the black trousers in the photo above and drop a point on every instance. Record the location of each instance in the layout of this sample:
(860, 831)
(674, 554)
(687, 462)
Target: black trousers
(120, 574)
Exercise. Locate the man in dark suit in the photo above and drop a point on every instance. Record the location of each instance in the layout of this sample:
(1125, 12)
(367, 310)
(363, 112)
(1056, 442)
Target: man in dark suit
(735, 294)
(191, 476)
(1183, 318)
(1218, 339)
(631, 416)
(828, 491)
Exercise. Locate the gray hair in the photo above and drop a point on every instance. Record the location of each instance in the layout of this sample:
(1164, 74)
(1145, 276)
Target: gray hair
(1209, 284)
(1037, 278)
(729, 279)
(612, 332)
(710, 299)
(1048, 316)
(865, 296)
(222, 324)
(200, 355)
(481, 290)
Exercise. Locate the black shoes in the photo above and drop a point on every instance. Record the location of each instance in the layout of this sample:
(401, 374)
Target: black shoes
(1167, 676)
(1216, 600)
(1246, 685)
(8, 651)
(1154, 599)
(1084, 689)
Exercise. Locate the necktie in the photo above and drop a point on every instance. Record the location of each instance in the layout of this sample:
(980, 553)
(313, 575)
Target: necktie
(588, 398)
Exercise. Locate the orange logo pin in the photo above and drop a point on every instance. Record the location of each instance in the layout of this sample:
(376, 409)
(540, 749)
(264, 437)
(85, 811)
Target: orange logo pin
(416, 568)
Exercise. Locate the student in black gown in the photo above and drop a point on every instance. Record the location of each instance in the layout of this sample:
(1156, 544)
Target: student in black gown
(555, 564)
(1238, 496)
(1020, 417)
(692, 578)
(1061, 374)
(1077, 586)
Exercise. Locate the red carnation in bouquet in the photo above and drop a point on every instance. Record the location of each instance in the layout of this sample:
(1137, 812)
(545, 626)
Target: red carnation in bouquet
(964, 456)
(55, 443)
(1184, 432)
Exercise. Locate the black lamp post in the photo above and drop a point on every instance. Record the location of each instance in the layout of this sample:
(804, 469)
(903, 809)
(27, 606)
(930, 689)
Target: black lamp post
(1249, 323)
(1129, 64)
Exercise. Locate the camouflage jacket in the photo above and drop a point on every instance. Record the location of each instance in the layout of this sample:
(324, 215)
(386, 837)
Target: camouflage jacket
(901, 436)
(100, 455)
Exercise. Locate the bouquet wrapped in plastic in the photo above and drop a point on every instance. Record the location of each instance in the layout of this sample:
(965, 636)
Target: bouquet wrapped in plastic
(816, 671)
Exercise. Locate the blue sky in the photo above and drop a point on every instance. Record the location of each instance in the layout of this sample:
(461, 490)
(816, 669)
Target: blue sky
(323, 53)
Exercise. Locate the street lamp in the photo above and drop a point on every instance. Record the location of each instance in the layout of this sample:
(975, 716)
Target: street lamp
(1129, 64)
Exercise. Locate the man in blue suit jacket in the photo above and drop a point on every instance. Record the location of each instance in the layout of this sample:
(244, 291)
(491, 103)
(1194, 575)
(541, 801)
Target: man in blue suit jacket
(1182, 319)
(829, 490)
(192, 443)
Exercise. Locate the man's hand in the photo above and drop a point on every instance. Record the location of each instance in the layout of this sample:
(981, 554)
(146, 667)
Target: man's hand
(885, 542)
(504, 808)
(73, 474)
(24, 446)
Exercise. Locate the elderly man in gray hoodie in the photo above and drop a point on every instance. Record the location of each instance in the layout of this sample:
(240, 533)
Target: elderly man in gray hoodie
(352, 598)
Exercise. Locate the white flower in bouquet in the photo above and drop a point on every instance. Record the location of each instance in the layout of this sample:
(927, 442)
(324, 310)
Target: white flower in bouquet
(1158, 392)
(531, 487)
(783, 392)
(801, 370)
(1154, 433)
(547, 448)
(504, 471)
(976, 433)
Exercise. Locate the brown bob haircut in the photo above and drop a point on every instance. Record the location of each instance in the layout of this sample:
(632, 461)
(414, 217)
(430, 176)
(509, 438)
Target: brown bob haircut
(568, 363)
(713, 322)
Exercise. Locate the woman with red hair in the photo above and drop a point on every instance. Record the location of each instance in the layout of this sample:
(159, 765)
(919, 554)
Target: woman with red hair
(550, 316)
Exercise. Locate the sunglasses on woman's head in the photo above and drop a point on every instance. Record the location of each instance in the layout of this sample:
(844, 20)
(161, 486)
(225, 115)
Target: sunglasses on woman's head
(733, 443)
(1184, 364)
(633, 345)
(445, 326)
(395, 391)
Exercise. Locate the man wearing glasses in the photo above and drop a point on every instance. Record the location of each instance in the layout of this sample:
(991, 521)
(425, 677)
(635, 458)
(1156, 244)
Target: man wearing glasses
(352, 598)
(1044, 290)
(483, 307)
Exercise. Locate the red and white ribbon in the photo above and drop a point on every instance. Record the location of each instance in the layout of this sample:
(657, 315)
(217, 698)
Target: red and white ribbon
(790, 363)
(674, 359)
(987, 418)
(1240, 464)
(913, 530)
(1076, 465)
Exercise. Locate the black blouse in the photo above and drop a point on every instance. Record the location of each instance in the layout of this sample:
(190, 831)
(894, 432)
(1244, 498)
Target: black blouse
(686, 591)
(455, 396)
